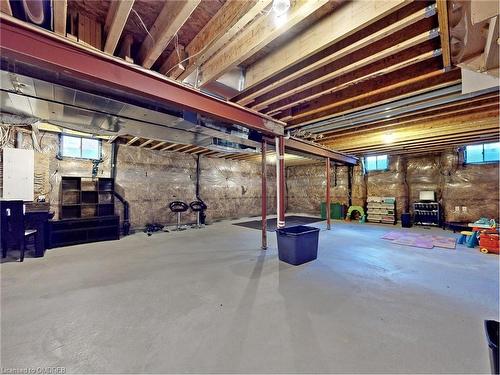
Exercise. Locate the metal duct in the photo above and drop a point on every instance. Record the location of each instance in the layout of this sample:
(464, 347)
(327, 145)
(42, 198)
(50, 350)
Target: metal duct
(402, 107)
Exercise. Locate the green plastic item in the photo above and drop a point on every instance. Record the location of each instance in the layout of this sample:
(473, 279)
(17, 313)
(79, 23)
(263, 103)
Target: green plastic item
(336, 211)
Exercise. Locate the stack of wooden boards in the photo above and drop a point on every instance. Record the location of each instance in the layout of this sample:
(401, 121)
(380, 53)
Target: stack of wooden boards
(381, 210)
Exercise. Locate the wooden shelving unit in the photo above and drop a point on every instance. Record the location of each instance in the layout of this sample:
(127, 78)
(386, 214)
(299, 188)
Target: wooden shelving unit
(86, 197)
(87, 212)
(381, 210)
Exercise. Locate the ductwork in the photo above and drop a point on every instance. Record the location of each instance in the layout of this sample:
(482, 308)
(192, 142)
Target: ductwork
(86, 112)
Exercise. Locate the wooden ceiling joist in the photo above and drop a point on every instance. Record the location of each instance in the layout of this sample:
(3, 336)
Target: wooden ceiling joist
(132, 141)
(171, 18)
(158, 145)
(227, 22)
(182, 148)
(427, 145)
(425, 141)
(387, 123)
(5, 7)
(60, 15)
(368, 68)
(329, 105)
(175, 64)
(442, 9)
(201, 149)
(169, 147)
(249, 95)
(115, 22)
(113, 138)
(423, 127)
(255, 37)
(344, 21)
(143, 144)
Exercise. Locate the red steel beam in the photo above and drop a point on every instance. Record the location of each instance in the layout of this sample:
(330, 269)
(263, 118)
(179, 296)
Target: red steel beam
(264, 196)
(25, 43)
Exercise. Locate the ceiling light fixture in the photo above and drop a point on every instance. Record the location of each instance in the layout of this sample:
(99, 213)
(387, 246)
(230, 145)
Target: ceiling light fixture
(280, 6)
(388, 137)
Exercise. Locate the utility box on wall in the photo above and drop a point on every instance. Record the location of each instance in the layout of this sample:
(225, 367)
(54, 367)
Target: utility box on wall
(18, 174)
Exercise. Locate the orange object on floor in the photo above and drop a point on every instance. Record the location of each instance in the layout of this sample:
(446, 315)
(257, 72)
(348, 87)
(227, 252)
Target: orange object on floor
(488, 242)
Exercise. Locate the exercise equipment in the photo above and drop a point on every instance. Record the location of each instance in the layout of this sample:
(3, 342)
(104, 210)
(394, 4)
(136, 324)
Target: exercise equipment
(198, 207)
(178, 207)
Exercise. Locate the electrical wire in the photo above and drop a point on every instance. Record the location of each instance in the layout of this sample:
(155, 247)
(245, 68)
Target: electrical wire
(143, 24)
(263, 13)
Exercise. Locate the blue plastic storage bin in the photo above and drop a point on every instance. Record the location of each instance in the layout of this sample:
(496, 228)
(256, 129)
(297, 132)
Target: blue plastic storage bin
(298, 244)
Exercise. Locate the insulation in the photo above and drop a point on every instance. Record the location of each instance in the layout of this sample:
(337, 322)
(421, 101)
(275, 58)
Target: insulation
(424, 173)
(359, 188)
(457, 185)
(473, 186)
(230, 189)
(390, 183)
(306, 187)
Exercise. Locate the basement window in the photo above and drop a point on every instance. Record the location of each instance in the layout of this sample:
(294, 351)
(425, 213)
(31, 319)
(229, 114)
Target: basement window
(483, 153)
(78, 147)
(376, 163)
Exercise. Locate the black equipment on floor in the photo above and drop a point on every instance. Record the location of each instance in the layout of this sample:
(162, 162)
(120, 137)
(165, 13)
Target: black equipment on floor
(178, 207)
(406, 220)
(427, 213)
(13, 227)
(198, 207)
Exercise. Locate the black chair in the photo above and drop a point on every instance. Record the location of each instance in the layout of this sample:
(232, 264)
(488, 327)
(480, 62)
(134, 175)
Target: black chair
(178, 207)
(198, 207)
(12, 226)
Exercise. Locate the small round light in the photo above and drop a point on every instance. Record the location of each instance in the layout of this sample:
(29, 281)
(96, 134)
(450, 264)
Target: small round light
(280, 6)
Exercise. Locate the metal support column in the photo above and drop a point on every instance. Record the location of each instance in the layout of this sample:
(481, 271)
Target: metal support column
(328, 220)
(280, 181)
(264, 196)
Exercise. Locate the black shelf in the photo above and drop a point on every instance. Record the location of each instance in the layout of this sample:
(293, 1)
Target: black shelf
(427, 213)
(86, 197)
(68, 232)
(87, 212)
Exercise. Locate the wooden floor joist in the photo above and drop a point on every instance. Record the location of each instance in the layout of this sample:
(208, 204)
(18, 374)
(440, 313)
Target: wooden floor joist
(441, 112)
(158, 145)
(344, 80)
(324, 108)
(344, 21)
(249, 95)
(171, 18)
(226, 23)
(442, 8)
(254, 38)
(133, 140)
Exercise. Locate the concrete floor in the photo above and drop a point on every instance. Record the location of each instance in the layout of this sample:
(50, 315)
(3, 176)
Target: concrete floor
(210, 301)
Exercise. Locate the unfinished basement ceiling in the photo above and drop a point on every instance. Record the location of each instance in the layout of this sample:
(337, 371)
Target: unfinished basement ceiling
(322, 65)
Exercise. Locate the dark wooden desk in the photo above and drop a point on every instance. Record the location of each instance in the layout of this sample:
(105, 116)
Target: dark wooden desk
(37, 219)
